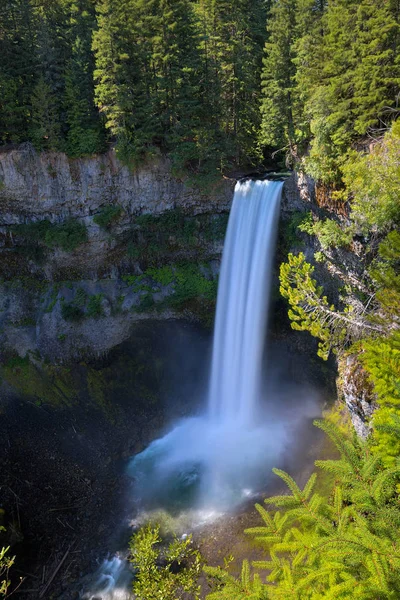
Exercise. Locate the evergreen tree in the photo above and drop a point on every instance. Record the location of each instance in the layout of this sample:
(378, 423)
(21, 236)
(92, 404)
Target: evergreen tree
(17, 68)
(45, 125)
(175, 61)
(278, 95)
(125, 79)
(345, 546)
(311, 311)
(231, 45)
(85, 134)
(357, 82)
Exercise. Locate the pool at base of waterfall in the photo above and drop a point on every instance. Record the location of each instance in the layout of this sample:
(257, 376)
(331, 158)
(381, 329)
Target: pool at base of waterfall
(206, 465)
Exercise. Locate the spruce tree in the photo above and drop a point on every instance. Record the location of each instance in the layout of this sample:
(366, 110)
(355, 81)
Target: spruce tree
(278, 95)
(17, 68)
(85, 134)
(45, 126)
(357, 82)
(344, 546)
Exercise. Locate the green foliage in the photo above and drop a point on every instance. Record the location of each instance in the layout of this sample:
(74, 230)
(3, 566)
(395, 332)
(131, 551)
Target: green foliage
(44, 383)
(216, 229)
(168, 571)
(107, 215)
(330, 75)
(71, 312)
(381, 359)
(330, 233)
(373, 180)
(375, 325)
(343, 546)
(163, 275)
(6, 562)
(17, 69)
(189, 283)
(277, 125)
(94, 306)
(33, 232)
(309, 308)
(46, 127)
(157, 238)
(67, 236)
(85, 133)
(385, 272)
(227, 587)
(83, 306)
(180, 77)
(80, 297)
(290, 227)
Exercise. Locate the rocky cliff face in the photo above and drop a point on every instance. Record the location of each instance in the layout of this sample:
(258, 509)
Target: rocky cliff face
(86, 248)
(342, 265)
(357, 392)
(51, 188)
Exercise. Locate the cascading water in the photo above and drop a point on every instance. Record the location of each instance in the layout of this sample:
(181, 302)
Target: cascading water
(217, 459)
(243, 298)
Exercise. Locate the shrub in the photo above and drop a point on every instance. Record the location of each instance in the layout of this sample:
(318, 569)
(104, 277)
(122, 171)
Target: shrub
(163, 275)
(107, 215)
(71, 312)
(373, 180)
(330, 233)
(167, 573)
(67, 236)
(6, 563)
(94, 306)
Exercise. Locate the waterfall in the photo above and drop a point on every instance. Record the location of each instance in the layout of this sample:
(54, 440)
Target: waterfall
(243, 299)
(218, 458)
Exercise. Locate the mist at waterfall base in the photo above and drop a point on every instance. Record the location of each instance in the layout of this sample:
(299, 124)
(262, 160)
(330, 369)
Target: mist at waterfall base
(213, 461)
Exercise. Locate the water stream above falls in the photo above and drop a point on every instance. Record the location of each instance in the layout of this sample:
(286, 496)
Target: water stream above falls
(209, 463)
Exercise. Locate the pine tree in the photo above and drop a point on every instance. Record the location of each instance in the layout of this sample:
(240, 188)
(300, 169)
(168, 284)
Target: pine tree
(231, 44)
(176, 62)
(124, 75)
(311, 311)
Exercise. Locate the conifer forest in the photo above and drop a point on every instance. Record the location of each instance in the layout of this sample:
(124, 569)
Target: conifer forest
(126, 128)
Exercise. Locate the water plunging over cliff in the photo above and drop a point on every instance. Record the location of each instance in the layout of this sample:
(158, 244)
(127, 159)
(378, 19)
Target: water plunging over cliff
(243, 299)
(216, 459)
